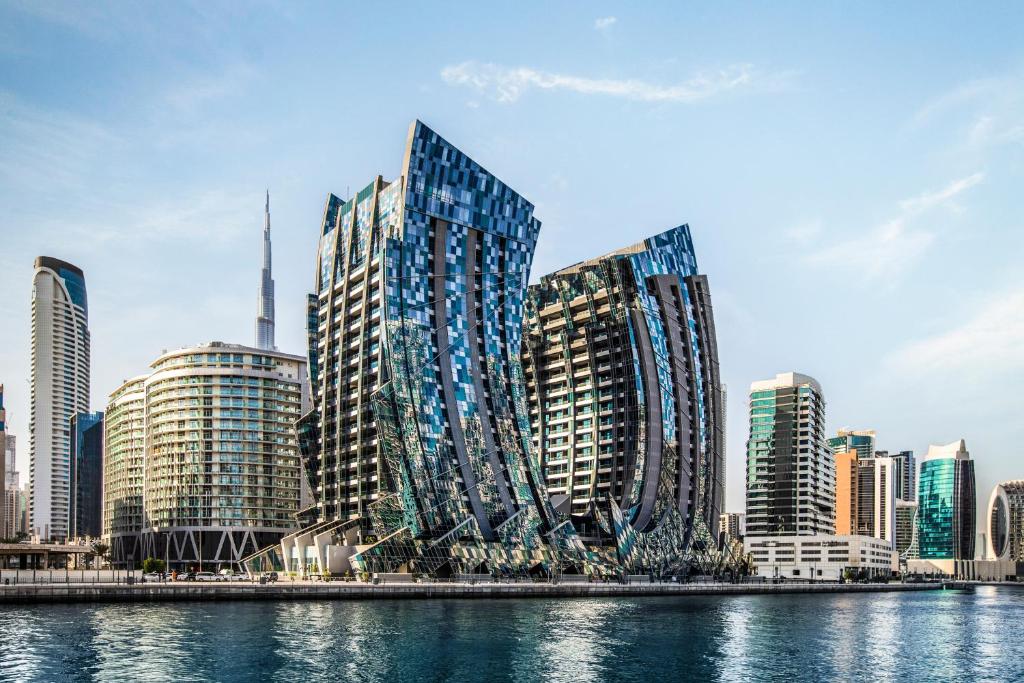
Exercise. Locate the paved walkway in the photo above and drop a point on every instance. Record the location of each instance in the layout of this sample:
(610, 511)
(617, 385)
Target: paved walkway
(340, 590)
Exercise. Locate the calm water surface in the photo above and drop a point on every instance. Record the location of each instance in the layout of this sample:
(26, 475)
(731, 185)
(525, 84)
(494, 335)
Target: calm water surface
(935, 635)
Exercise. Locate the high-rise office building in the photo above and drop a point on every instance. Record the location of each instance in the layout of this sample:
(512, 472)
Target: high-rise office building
(946, 503)
(876, 498)
(791, 476)
(847, 488)
(3, 460)
(86, 514)
(1006, 521)
(218, 475)
(733, 525)
(625, 401)
(861, 442)
(10, 450)
(265, 316)
(865, 495)
(60, 389)
(15, 501)
(906, 473)
(906, 513)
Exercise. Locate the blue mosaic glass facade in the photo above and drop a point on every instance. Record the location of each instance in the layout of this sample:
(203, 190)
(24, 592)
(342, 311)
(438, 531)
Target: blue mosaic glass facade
(419, 447)
(622, 367)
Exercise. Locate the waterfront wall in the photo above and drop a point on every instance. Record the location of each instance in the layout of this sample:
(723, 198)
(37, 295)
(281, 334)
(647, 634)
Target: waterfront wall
(159, 592)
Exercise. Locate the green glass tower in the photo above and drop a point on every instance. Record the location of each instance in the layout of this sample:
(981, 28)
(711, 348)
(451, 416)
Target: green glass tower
(946, 501)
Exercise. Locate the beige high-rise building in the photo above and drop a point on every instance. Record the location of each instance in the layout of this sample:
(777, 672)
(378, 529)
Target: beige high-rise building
(866, 496)
(202, 458)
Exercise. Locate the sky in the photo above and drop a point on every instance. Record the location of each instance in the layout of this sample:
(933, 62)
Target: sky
(851, 173)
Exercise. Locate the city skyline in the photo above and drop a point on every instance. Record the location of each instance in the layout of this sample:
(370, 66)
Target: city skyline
(893, 244)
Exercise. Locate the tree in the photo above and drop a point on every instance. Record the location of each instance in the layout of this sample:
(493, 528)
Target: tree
(151, 566)
(101, 550)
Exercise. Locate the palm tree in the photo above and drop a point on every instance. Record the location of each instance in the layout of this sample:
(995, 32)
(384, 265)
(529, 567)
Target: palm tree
(101, 550)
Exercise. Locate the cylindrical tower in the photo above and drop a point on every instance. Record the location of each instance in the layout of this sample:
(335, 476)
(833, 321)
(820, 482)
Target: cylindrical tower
(60, 389)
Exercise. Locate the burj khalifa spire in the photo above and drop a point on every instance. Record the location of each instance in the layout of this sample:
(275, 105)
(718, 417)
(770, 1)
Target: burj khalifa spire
(265, 317)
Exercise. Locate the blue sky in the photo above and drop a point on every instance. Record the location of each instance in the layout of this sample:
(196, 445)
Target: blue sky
(851, 174)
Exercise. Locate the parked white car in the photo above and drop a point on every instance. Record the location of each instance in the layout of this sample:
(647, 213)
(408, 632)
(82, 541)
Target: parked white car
(207, 576)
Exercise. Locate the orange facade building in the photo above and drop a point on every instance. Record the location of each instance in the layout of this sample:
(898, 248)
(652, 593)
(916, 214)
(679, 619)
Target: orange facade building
(846, 493)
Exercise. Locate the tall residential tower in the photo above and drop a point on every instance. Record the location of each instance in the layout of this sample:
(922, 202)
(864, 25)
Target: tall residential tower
(625, 401)
(265, 317)
(791, 477)
(202, 464)
(60, 389)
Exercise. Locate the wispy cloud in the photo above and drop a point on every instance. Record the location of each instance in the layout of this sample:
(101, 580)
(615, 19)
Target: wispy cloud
(971, 91)
(986, 112)
(49, 148)
(604, 23)
(878, 251)
(929, 200)
(189, 95)
(508, 84)
(990, 342)
(895, 243)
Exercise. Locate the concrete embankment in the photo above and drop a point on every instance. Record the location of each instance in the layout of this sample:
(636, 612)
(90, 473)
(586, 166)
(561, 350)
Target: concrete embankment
(295, 590)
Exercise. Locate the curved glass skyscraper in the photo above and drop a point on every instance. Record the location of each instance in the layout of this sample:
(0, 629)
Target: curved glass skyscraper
(60, 389)
(946, 502)
(419, 448)
(625, 401)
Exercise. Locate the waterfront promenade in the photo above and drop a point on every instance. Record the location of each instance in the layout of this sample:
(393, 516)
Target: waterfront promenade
(354, 590)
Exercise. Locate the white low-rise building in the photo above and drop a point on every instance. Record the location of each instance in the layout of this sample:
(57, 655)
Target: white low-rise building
(821, 557)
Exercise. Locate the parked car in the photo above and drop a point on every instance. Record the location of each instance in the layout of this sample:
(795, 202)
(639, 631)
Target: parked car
(153, 576)
(269, 576)
(207, 576)
(186, 576)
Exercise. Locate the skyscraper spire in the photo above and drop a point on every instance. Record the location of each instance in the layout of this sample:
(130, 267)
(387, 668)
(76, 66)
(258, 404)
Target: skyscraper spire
(265, 316)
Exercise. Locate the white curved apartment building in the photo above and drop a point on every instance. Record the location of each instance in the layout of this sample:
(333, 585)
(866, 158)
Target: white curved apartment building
(124, 457)
(220, 472)
(60, 389)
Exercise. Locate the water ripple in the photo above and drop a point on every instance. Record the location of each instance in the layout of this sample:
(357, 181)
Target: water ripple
(936, 635)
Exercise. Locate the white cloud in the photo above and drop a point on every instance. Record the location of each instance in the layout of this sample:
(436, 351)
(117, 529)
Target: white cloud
(895, 243)
(804, 233)
(981, 89)
(878, 251)
(48, 148)
(986, 112)
(604, 23)
(928, 200)
(507, 84)
(990, 342)
(188, 96)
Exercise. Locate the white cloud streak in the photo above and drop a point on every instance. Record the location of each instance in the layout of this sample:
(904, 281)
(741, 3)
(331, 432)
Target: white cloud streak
(604, 23)
(894, 243)
(508, 84)
(990, 342)
(929, 200)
